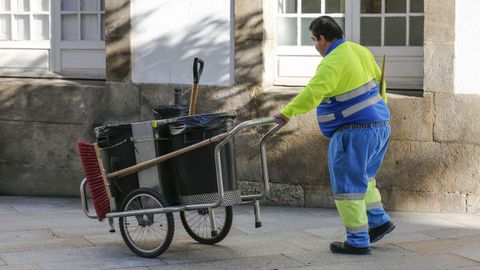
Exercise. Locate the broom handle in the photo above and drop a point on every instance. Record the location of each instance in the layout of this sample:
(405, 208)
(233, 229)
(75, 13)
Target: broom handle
(155, 161)
(193, 100)
(197, 72)
(382, 77)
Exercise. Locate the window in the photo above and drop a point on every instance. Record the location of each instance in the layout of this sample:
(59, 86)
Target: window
(394, 23)
(390, 27)
(24, 20)
(293, 21)
(52, 38)
(84, 23)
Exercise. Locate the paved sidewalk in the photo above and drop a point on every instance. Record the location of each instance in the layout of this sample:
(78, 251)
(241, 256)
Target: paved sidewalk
(53, 233)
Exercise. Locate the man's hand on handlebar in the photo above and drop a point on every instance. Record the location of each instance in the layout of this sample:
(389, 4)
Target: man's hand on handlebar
(281, 119)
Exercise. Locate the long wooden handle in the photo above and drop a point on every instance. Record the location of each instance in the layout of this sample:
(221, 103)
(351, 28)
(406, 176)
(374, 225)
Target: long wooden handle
(197, 72)
(382, 77)
(193, 100)
(152, 162)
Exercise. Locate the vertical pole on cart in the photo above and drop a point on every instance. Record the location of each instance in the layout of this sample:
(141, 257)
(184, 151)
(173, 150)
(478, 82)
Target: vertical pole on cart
(213, 224)
(110, 225)
(197, 72)
(256, 210)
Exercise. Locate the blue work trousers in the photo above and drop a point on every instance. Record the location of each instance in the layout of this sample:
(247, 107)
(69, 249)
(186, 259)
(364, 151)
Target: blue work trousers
(354, 157)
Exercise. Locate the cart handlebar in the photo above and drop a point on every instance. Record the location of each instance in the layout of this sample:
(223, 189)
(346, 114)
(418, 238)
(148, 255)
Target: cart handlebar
(255, 122)
(83, 195)
(263, 155)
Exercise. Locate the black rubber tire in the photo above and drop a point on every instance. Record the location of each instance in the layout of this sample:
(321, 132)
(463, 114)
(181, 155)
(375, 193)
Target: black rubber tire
(227, 225)
(146, 192)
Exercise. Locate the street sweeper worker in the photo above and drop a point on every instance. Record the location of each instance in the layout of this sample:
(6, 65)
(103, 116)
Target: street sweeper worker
(351, 111)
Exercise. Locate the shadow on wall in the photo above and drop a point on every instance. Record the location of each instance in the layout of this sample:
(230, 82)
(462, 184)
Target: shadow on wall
(161, 55)
(117, 36)
(244, 97)
(183, 47)
(249, 35)
(293, 158)
(249, 68)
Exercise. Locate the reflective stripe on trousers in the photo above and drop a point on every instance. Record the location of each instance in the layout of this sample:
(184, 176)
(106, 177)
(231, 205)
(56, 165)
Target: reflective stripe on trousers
(373, 204)
(373, 201)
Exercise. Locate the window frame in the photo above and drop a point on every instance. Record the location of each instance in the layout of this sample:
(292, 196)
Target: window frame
(54, 44)
(411, 57)
(58, 44)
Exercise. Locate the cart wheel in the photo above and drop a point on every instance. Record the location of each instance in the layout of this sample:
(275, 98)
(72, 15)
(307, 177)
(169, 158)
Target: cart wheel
(146, 235)
(197, 224)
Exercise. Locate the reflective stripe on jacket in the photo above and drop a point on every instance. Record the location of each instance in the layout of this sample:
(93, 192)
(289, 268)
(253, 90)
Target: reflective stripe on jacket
(362, 105)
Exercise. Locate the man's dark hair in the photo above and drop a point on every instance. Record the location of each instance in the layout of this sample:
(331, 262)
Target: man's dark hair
(327, 27)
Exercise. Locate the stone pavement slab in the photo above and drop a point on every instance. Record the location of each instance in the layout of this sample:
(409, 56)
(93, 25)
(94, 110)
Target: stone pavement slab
(440, 245)
(468, 252)
(21, 267)
(42, 244)
(323, 256)
(425, 262)
(123, 262)
(53, 233)
(256, 262)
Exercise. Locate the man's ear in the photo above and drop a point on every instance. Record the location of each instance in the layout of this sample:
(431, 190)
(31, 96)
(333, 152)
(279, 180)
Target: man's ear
(321, 39)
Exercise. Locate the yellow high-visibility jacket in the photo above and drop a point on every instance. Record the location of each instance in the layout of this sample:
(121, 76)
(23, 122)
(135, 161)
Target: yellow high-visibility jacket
(345, 68)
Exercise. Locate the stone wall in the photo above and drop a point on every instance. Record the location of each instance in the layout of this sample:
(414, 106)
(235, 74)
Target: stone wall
(428, 167)
(431, 165)
(41, 121)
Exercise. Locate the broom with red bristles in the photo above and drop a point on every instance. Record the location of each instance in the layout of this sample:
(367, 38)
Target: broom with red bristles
(96, 179)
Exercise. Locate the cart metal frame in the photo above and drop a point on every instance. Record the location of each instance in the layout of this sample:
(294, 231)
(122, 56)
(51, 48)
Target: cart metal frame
(245, 199)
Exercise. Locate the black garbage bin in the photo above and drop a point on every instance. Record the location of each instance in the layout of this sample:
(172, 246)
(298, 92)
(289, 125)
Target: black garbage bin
(165, 168)
(125, 145)
(195, 171)
(166, 114)
(118, 153)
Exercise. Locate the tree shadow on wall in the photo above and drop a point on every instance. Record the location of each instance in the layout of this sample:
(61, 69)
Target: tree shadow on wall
(245, 96)
(181, 48)
(117, 39)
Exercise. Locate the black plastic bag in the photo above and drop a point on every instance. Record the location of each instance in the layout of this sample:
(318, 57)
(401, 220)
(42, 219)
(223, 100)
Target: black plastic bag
(169, 111)
(204, 122)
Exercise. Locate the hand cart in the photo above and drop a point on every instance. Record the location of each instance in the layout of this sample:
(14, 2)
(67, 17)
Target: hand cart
(146, 221)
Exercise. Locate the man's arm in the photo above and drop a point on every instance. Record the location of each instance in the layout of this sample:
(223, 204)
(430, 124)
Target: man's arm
(323, 82)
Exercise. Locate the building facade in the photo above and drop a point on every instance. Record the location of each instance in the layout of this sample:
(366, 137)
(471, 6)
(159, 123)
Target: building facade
(71, 65)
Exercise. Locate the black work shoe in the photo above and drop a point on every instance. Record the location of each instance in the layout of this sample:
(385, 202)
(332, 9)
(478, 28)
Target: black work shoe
(345, 248)
(380, 231)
